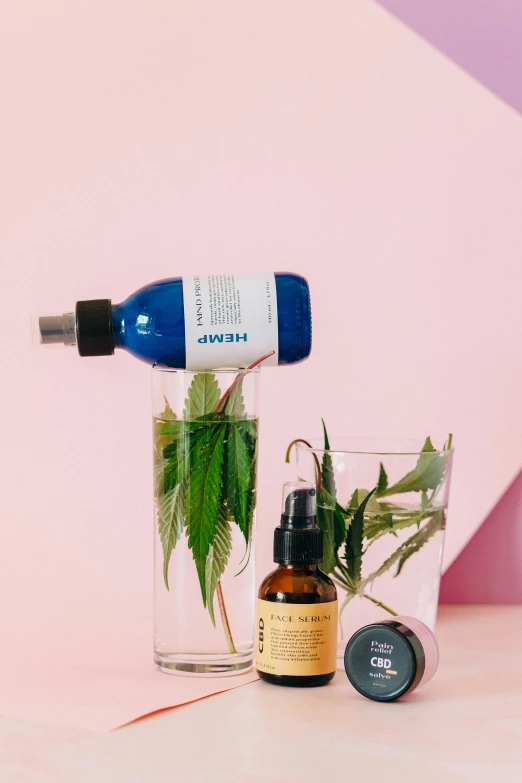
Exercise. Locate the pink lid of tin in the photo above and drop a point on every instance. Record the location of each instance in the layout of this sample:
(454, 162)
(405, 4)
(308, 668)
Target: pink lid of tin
(429, 644)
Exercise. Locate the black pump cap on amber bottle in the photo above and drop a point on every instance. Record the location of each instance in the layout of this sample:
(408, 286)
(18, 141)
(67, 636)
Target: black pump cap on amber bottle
(94, 327)
(298, 540)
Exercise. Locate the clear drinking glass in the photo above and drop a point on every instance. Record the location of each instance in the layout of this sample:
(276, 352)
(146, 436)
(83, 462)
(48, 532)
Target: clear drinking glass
(205, 455)
(390, 560)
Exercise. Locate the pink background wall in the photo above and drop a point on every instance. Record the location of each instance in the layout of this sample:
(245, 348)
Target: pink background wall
(143, 140)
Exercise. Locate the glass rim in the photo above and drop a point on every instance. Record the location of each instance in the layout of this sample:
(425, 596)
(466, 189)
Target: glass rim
(220, 371)
(370, 452)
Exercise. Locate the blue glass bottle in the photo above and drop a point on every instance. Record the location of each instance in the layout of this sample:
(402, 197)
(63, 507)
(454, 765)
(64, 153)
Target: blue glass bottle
(150, 324)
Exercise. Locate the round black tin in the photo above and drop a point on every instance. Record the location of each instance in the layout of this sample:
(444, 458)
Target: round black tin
(384, 661)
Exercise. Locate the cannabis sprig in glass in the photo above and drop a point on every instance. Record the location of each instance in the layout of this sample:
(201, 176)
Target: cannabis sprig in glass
(205, 461)
(410, 510)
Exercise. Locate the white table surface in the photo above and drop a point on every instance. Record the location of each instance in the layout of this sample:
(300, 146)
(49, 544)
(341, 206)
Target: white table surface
(466, 725)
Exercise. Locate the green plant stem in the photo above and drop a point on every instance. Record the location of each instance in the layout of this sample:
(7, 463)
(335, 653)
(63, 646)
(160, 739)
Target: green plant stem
(380, 604)
(319, 473)
(338, 562)
(336, 581)
(340, 579)
(224, 618)
(239, 377)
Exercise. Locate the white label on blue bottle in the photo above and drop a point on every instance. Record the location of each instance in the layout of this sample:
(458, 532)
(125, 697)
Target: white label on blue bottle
(230, 320)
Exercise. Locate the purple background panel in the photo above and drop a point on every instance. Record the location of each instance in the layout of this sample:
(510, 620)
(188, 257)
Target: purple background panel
(489, 568)
(482, 36)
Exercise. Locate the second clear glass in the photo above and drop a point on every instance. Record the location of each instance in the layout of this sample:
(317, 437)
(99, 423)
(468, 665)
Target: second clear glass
(205, 456)
(393, 567)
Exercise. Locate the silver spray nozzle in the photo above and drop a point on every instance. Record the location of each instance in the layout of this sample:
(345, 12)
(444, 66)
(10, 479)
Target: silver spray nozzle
(57, 329)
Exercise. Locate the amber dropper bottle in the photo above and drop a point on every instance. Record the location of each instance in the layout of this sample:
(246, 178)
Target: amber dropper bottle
(296, 632)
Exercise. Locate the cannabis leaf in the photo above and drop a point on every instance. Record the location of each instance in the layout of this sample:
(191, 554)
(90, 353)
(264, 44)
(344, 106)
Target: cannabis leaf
(204, 500)
(251, 505)
(437, 522)
(234, 404)
(382, 483)
(388, 521)
(170, 523)
(410, 546)
(357, 498)
(188, 436)
(203, 395)
(247, 428)
(353, 550)
(217, 560)
(331, 518)
(183, 453)
(325, 522)
(168, 413)
(159, 480)
(326, 507)
(427, 474)
(351, 572)
(327, 471)
(379, 525)
(238, 471)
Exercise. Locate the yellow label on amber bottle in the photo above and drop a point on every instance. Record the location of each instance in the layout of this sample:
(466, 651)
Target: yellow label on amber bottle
(296, 639)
